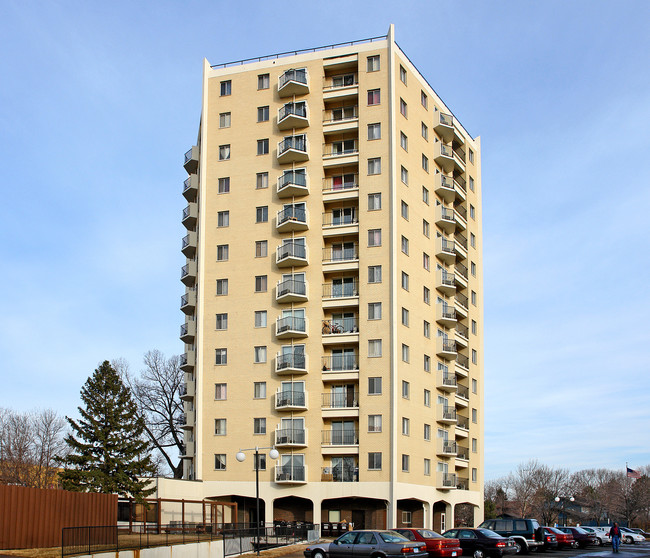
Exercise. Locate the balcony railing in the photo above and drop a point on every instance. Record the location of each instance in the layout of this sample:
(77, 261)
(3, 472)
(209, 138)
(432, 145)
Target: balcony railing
(461, 184)
(290, 436)
(462, 483)
(293, 109)
(291, 323)
(462, 453)
(447, 413)
(292, 178)
(290, 398)
(291, 249)
(461, 300)
(341, 363)
(288, 473)
(460, 153)
(340, 148)
(292, 213)
(462, 330)
(446, 447)
(447, 279)
(461, 211)
(463, 392)
(463, 422)
(339, 220)
(340, 438)
(340, 326)
(291, 286)
(462, 361)
(446, 480)
(447, 245)
(446, 119)
(340, 400)
(346, 80)
(341, 290)
(341, 254)
(340, 183)
(447, 312)
(461, 270)
(290, 360)
(340, 474)
(297, 143)
(341, 114)
(460, 239)
(448, 345)
(448, 380)
(299, 76)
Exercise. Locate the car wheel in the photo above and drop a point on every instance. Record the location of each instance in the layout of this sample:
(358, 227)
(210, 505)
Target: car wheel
(599, 542)
(629, 540)
(478, 553)
(318, 554)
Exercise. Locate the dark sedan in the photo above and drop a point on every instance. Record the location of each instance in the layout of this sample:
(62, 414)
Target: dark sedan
(380, 544)
(481, 542)
(581, 536)
(437, 545)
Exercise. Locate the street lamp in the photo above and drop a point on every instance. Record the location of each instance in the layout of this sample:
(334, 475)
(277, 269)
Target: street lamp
(564, 499)
(241, 456)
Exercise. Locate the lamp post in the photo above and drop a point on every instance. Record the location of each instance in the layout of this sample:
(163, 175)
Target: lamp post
(564, 499)
(241, 456)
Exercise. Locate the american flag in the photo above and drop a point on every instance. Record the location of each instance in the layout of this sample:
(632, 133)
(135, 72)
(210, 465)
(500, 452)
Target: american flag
(632, 474)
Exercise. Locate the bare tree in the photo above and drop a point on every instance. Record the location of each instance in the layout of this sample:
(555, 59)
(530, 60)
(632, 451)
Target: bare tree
(523, 484)
(496, 497)
(592, 488)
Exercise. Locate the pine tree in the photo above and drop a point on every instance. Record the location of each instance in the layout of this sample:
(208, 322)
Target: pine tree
(108, 449)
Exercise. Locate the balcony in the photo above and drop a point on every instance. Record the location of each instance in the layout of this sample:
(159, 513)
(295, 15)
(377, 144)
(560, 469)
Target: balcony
(341, 153)
(188, 332)
(444, 126)
(444, 187)
(291, 290)
(291, 363)
(446, 415)
(191, 187)
(341, 222)
(461, 188)
(341, 187)
(341, 294)
(290, 437)
(444, 218)
(446, 348)
(445, 381)
(293, 149)
(445, 481)
(293, 183)
(446, 448)
(190, 215)
(335, 400)
(445, 315)
(462, 426)
(445, 282)
(340, 119)
(462, 483)
(462, 336)
(188, 244)
(187, 361)
(187, 390)
(341, 330)
(444, 156)
(463, 393)
(290, 474)
(459, 158)
(462, 365)
(291, 253)
(460, 302)
(460, 275)
(291, 400)
(191, 160)
(291, 327)
(341, 87)
(340, 367)
(188, 420)
(340, 438)
(189, 450)
(292, 218)
(341, 257)
(340, 474)
(188, 273)
(188, 302)
(460, 246)
(293, 115)
(293, 82)
(460, 217)
(445, 250)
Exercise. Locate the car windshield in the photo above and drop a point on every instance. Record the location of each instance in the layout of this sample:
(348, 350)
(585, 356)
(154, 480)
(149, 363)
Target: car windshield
(555, 531)
(488, 533)
(425, 533)
(451, 534)
(392, 537)
(580, 530)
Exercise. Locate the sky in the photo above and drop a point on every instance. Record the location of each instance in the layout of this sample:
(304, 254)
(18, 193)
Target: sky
(99, 102)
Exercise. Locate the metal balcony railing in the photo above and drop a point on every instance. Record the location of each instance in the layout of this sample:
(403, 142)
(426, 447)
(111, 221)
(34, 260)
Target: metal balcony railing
(337, 220)
(345, 80)
(460, 153)
(461, 183)
(341, 363)
(461, 270)
(462, 361)
(447, 279)
(291, 249)
(290, 360)
(447, 413)
(448, 312)
(447, 245)
(298, 178)
(292, 213)
(291, 286)
(339, 148)
(289, 473)
(341, 253)
(339, 183)
(299, 143)
(290, 398)
(460, 239)
(447, 446)
(299, 76)
(447, 214)
(340, 474)
(462, 422)
(462, 300)
(461, 211)
(462, 453)
(341, 114)
(446, 119)
(188, 156)
(290, 436)
(448, 345)
(340, 438)
(188, 181)
(447, 480)
(291, 323)
(449, 380)
(340, 400)
(293, 109)
(462, 330)
(462, 483)
(340, 326)
(463, 392)
(446, 150)
(341, 290)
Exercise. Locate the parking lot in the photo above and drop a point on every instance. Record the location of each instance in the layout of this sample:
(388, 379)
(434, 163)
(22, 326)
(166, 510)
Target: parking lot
(626, 550)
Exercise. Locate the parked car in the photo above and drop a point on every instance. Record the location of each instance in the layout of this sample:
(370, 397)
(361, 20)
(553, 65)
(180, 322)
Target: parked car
(550, 541)
(437, 545)
(480, 543)
(580, 535)
(564, 540)
(630, 537)
(379, 544)
(525, 532)
(641, 532)
(602, 536)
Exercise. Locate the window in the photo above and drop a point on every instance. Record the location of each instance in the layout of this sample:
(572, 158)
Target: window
(425, 228)
(474, 386)
(222, 252)
(405, 353)
(222, 287)
(427, 466)
(222, 321)
(405, 317)
(470, 154)
(426, 261)
(259, 426)
(263, 81)
(405, 245)
(261, 248)
(474, 416)
(427, 398)
(374, 131)
(425, 131)
(424, 99)
(261, 462)
(260, 318)
(374, 165)
(373, 63)
(406, 426)
(226, 88)
(425, 195)
(374, 348)
(405, 210)
(426, 329)
(220, 427)
(472, 240)
(259, 390)
(263, 114)
(472, 267)
(374, 386)
(374, 423)
(260, 283)
(403, 108)
(220, 392)
(405, 281)
(374, 274)
(427, 432)
(474, 445)
(223, 185)
(404, 175)
(263, 147)
(425, 162)
(403, 141)
(224, 152)
(220, 458)
(474, 327)
(374, 202)
(406, 389)
(261, 214)
(472, 212)
(402, 74)
(262, 180)
(427, 363)
(473, 297)
(223, 218)
(221, 356)
(373, 97)
(474, 356)
(260, 354)
(374, 237)
(374, 310)
(426, 295)
(224, 120)
(471, 183)
(374, 461)
(474, 474)
(405, 463)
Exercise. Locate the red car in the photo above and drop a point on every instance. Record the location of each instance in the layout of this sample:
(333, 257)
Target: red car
(564, 540)
(437, 545)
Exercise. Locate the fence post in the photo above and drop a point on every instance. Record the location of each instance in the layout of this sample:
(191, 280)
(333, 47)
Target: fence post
(88, 540)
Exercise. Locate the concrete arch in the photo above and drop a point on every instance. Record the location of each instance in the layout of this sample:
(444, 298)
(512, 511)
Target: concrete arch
(465, 514)
(292, 509)
(412, 512)
(442, 513)
(359, 512)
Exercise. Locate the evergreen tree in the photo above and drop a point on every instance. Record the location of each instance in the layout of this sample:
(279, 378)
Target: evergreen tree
(108, 449)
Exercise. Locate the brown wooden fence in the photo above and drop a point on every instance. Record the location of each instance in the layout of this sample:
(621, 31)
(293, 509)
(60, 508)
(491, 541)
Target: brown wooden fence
(34, 517)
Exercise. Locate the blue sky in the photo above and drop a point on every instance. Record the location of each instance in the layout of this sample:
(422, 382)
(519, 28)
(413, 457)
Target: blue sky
(99, 101)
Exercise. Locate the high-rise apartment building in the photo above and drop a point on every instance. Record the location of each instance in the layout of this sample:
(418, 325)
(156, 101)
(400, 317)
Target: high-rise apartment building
(333, 304)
